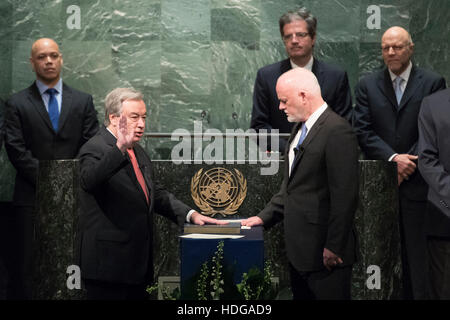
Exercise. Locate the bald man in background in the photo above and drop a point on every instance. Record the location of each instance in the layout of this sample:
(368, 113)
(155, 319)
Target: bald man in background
(385, 122)
(46, 121)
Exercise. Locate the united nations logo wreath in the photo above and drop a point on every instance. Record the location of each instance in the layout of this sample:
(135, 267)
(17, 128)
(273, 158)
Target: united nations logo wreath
(218, 190)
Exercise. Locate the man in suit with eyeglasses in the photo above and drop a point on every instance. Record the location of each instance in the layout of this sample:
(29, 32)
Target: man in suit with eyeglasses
(298, 32)
(385, 122)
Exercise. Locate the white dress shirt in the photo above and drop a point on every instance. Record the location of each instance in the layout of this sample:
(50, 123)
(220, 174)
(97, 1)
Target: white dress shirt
(308, 66)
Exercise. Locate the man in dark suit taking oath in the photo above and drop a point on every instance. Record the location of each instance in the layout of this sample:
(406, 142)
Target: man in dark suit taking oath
(385, 122)
(434, 165)
(119, 197)
(47, 121)
(298, 32)
(319, 193)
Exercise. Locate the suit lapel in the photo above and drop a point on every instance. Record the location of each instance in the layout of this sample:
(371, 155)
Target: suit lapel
(387, 89)
(36, 100)
(385, 84)
(414, 82)
(130, 172)
(128, 167)
(145, 166)
(312, 133)
(293, 133)
(286, 149)
(318, 72)
(66, 105)
(285, 66)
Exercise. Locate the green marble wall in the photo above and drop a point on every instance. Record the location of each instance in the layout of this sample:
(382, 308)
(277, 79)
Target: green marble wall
(197, 59)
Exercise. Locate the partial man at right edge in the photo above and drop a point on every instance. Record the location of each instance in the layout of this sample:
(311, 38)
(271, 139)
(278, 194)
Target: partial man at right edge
(434, 165)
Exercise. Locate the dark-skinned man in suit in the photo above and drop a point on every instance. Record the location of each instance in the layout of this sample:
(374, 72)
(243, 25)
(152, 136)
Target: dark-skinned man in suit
(47, 121)
(385, 122)
(434, 165)
(298, 32)
(319, 193)
(119, 196)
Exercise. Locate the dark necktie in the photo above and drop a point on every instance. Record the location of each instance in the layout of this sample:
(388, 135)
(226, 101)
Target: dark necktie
(138, 172)
(53, 110)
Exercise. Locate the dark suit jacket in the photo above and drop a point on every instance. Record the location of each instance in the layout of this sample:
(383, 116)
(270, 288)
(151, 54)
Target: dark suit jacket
(384, 128)
(115, 222)
(434, 158)
(265, 113)
(318, 201)
(30, 136)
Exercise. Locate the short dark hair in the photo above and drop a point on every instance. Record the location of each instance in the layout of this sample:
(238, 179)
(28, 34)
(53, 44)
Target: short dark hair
(299, 14)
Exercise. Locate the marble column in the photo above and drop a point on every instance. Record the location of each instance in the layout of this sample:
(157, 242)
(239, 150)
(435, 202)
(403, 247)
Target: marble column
(377, 225)
(55, 229)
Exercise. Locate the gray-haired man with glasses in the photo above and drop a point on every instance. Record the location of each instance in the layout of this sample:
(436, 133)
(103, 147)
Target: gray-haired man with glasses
(298, 32)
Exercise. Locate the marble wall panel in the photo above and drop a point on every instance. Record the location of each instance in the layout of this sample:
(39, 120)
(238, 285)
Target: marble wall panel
(185, 20)
(96, 18)
(5, 75)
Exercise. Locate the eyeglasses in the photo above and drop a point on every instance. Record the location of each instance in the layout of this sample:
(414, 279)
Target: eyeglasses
(289, 37)
(395, 48)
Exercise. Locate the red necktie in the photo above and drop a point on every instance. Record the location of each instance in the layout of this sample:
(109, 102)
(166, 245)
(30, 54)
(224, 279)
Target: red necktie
(138, 172)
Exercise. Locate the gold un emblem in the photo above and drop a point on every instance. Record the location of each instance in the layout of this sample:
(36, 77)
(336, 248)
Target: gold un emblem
(218, 190)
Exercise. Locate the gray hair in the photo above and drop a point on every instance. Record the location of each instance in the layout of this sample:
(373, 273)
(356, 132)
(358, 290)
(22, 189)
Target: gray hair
(299, 14)
(114, 99)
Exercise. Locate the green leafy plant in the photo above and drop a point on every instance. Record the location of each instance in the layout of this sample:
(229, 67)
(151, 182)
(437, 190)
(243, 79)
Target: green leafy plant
(217, 281)
(202, 282)
(213, 281)
(256, 285)
(167, 294)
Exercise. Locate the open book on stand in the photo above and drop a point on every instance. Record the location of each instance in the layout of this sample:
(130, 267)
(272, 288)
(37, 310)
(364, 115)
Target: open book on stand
(230, 228)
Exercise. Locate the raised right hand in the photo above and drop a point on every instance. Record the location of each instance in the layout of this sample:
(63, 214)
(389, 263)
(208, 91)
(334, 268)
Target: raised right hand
(124, 135)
